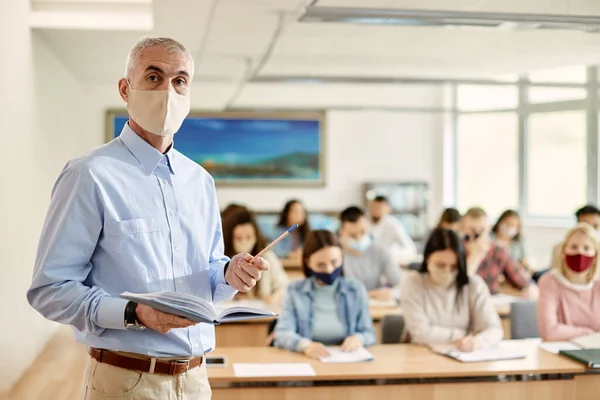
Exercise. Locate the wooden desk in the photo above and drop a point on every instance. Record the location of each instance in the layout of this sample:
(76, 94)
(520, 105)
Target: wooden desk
(407, 371)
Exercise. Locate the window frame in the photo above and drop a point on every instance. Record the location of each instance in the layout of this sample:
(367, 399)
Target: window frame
(590, 105)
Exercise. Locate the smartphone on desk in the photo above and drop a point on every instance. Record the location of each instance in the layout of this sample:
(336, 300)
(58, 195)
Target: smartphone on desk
(216, 362)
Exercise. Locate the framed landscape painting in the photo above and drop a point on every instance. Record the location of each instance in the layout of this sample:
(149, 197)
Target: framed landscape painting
(250, 148)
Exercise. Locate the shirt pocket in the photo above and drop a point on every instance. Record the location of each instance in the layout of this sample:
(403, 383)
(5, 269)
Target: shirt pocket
(131, 234)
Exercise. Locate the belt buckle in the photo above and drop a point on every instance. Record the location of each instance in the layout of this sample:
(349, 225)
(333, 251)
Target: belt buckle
(186, 362)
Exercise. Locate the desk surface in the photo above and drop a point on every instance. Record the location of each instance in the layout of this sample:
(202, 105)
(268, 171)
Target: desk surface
(402, 361)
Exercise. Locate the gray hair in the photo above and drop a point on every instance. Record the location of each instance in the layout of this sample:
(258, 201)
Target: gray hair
(168, 44)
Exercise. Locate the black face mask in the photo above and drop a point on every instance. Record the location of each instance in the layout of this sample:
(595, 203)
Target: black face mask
(468, 238)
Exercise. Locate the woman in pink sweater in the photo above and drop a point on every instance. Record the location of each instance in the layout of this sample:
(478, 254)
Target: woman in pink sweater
(569, 302)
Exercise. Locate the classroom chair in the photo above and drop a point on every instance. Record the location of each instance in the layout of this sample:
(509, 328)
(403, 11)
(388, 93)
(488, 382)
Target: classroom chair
(523, 324)
(392, 327)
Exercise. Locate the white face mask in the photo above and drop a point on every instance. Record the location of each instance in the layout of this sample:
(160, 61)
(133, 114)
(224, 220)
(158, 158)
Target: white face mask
(509, 232)
(442, 277)
(158, 111)
(245, 246)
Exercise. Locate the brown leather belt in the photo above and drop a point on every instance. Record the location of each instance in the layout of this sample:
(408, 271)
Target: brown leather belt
(174, 367)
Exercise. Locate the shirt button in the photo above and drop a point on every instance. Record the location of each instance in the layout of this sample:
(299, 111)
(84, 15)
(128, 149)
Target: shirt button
(177, 248)
(163, 182)
(172, 213)
(181, 281)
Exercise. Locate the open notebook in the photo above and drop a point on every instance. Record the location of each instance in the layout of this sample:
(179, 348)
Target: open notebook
(195, 308)
(584, 342)
(501, 351)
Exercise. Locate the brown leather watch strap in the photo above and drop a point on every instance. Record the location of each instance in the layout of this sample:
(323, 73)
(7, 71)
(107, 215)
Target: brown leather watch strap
(175, 367)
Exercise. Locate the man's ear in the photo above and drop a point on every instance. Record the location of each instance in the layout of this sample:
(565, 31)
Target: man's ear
(124, 89)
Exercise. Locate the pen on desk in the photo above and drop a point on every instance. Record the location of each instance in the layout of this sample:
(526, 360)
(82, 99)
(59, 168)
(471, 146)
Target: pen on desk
(274, 242)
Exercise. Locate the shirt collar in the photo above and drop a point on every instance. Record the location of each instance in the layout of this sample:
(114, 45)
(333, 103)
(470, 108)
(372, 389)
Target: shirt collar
(147, 155)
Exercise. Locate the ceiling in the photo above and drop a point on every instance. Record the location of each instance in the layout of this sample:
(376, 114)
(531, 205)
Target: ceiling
(235, 40)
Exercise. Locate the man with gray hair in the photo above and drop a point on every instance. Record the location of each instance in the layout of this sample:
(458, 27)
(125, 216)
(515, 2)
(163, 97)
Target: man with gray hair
(136, 215)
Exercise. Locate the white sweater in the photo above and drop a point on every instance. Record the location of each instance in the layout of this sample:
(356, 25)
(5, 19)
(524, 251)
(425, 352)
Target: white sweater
(432, 315)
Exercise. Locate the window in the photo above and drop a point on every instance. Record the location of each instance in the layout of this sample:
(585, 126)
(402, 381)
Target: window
(570, 74)
(551, 94)
(556, 162)
(487, 162)
(482, 97)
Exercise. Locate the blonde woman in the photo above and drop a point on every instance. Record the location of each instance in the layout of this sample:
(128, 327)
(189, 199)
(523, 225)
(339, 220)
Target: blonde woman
(569, 302)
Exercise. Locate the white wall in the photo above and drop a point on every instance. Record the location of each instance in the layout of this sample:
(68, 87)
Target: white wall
(539, 241)
(360, 145)
(39, 111)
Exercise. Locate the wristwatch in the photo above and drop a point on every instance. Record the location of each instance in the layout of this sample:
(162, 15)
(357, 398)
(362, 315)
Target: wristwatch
(131, 320)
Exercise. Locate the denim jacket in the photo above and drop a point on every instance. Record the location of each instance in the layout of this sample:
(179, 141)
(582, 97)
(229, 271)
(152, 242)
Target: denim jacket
(295, 322)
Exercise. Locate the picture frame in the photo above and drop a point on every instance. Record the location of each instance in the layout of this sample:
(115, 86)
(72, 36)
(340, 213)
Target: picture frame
(256, 149)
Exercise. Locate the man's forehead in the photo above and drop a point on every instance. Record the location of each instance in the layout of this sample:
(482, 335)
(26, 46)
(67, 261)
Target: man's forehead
(166, 60)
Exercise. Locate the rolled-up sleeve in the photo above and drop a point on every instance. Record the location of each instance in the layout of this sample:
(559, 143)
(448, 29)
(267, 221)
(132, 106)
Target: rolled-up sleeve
(69, 238)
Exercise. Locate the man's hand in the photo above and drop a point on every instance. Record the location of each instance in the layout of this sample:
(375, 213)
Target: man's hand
(241, 275)
(382, 294)
(160, 321)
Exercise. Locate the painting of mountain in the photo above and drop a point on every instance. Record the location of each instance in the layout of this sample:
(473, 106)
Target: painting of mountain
(253, 149)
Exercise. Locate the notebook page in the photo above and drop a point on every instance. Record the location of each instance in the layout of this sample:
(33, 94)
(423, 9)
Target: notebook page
(502, 351)
(588, 342)
(336, 355)
(556, 347)
(272, 370)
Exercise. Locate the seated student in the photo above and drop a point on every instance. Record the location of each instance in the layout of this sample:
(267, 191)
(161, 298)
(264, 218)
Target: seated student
(450, 219)
(242, 235)
(506, 233)
(569, 303)
(489, 260)
(291, 246)
(590, 215)
(442, 304)
(325, 308)
(364, 260)
(389, 232)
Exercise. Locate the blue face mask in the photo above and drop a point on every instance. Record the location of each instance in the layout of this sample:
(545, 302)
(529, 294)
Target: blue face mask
(360, 245)
(328, 279)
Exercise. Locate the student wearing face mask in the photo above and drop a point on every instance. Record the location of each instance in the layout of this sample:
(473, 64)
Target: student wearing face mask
(366, 261)
(589, 214)
(389, 232)
(441, 303)
(506, 233)
(326, 308)
(569, 303)
(241, 234)
(491, 261)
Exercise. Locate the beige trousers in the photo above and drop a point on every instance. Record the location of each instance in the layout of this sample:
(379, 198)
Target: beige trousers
(103, 382)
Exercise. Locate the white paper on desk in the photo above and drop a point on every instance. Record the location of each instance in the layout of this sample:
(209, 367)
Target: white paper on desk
(503, 299)
(556, 347)
(272, 370)
(588, 342)
(336, 355)
(502, 351)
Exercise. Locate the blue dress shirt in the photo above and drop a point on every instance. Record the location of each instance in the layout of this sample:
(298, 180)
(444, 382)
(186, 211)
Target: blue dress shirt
(125, 217)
